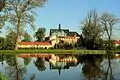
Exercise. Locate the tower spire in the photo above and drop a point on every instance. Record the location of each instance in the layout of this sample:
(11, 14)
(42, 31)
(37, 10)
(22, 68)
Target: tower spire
(59, 26)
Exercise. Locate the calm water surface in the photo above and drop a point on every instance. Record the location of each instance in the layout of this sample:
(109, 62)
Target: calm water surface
(60, 67)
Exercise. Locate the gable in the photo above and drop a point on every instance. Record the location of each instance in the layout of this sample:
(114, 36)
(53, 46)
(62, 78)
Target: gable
(59, 33)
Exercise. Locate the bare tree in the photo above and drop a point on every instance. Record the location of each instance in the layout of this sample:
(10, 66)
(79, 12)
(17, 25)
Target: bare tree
(108, 22)
(91, 28)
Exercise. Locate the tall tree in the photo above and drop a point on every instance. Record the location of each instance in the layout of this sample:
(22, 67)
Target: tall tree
(91, 29)
(109, 21)
(20, 13)
(40, 34)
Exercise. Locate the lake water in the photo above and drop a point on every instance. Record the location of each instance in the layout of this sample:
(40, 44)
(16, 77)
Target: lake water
(59, 67)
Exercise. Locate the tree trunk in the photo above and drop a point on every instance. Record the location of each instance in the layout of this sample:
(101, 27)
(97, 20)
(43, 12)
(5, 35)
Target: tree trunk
(17, 69)
(109, 43)
(17, 37)
(109, 69)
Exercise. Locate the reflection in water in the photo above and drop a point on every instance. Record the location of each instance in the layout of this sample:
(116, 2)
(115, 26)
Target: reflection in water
(62, 62)
(40, 64)
(109, 74)
(14, 70)
(26, 61)
(91, 68)
(2, 58)
(10, 60)
(32, 77)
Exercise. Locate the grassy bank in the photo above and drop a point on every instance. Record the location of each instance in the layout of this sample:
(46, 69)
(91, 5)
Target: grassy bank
(57, 51)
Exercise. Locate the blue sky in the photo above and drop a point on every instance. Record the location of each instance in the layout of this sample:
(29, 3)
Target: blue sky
(70, 13)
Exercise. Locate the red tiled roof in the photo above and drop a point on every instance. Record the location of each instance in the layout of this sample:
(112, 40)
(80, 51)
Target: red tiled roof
(66, 37)
(34, 43)
(117, 42)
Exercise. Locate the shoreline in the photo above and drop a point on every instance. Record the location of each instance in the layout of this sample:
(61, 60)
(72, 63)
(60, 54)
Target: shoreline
(57, 51)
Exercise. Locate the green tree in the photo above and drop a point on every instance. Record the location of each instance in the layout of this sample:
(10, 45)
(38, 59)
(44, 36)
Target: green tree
(91, 29)
(20, 14)
(109, 21)
(40, 34)
(27, 37)
(10, 40)
(3, 77)
(79, 42)
(2, 40)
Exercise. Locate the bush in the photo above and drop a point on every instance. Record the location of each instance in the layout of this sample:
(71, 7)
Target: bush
(2, 77)
(32, 48)
(63, 46)
(118, 48)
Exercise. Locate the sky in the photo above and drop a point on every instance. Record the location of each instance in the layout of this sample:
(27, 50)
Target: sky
(70, 13)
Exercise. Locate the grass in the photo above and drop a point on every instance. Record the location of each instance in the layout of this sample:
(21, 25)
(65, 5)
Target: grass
(56, 51)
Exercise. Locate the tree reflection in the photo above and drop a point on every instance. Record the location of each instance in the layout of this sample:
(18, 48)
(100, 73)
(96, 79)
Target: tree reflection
(2, 58)
(92, 67)
(10, 59)
(26, 61)
(14, 70)
(40, 64)
(32, 77)
(108, 73)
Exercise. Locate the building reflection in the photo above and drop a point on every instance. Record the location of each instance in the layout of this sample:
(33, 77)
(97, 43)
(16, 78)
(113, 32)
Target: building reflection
(62, 62)
(58, 62)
